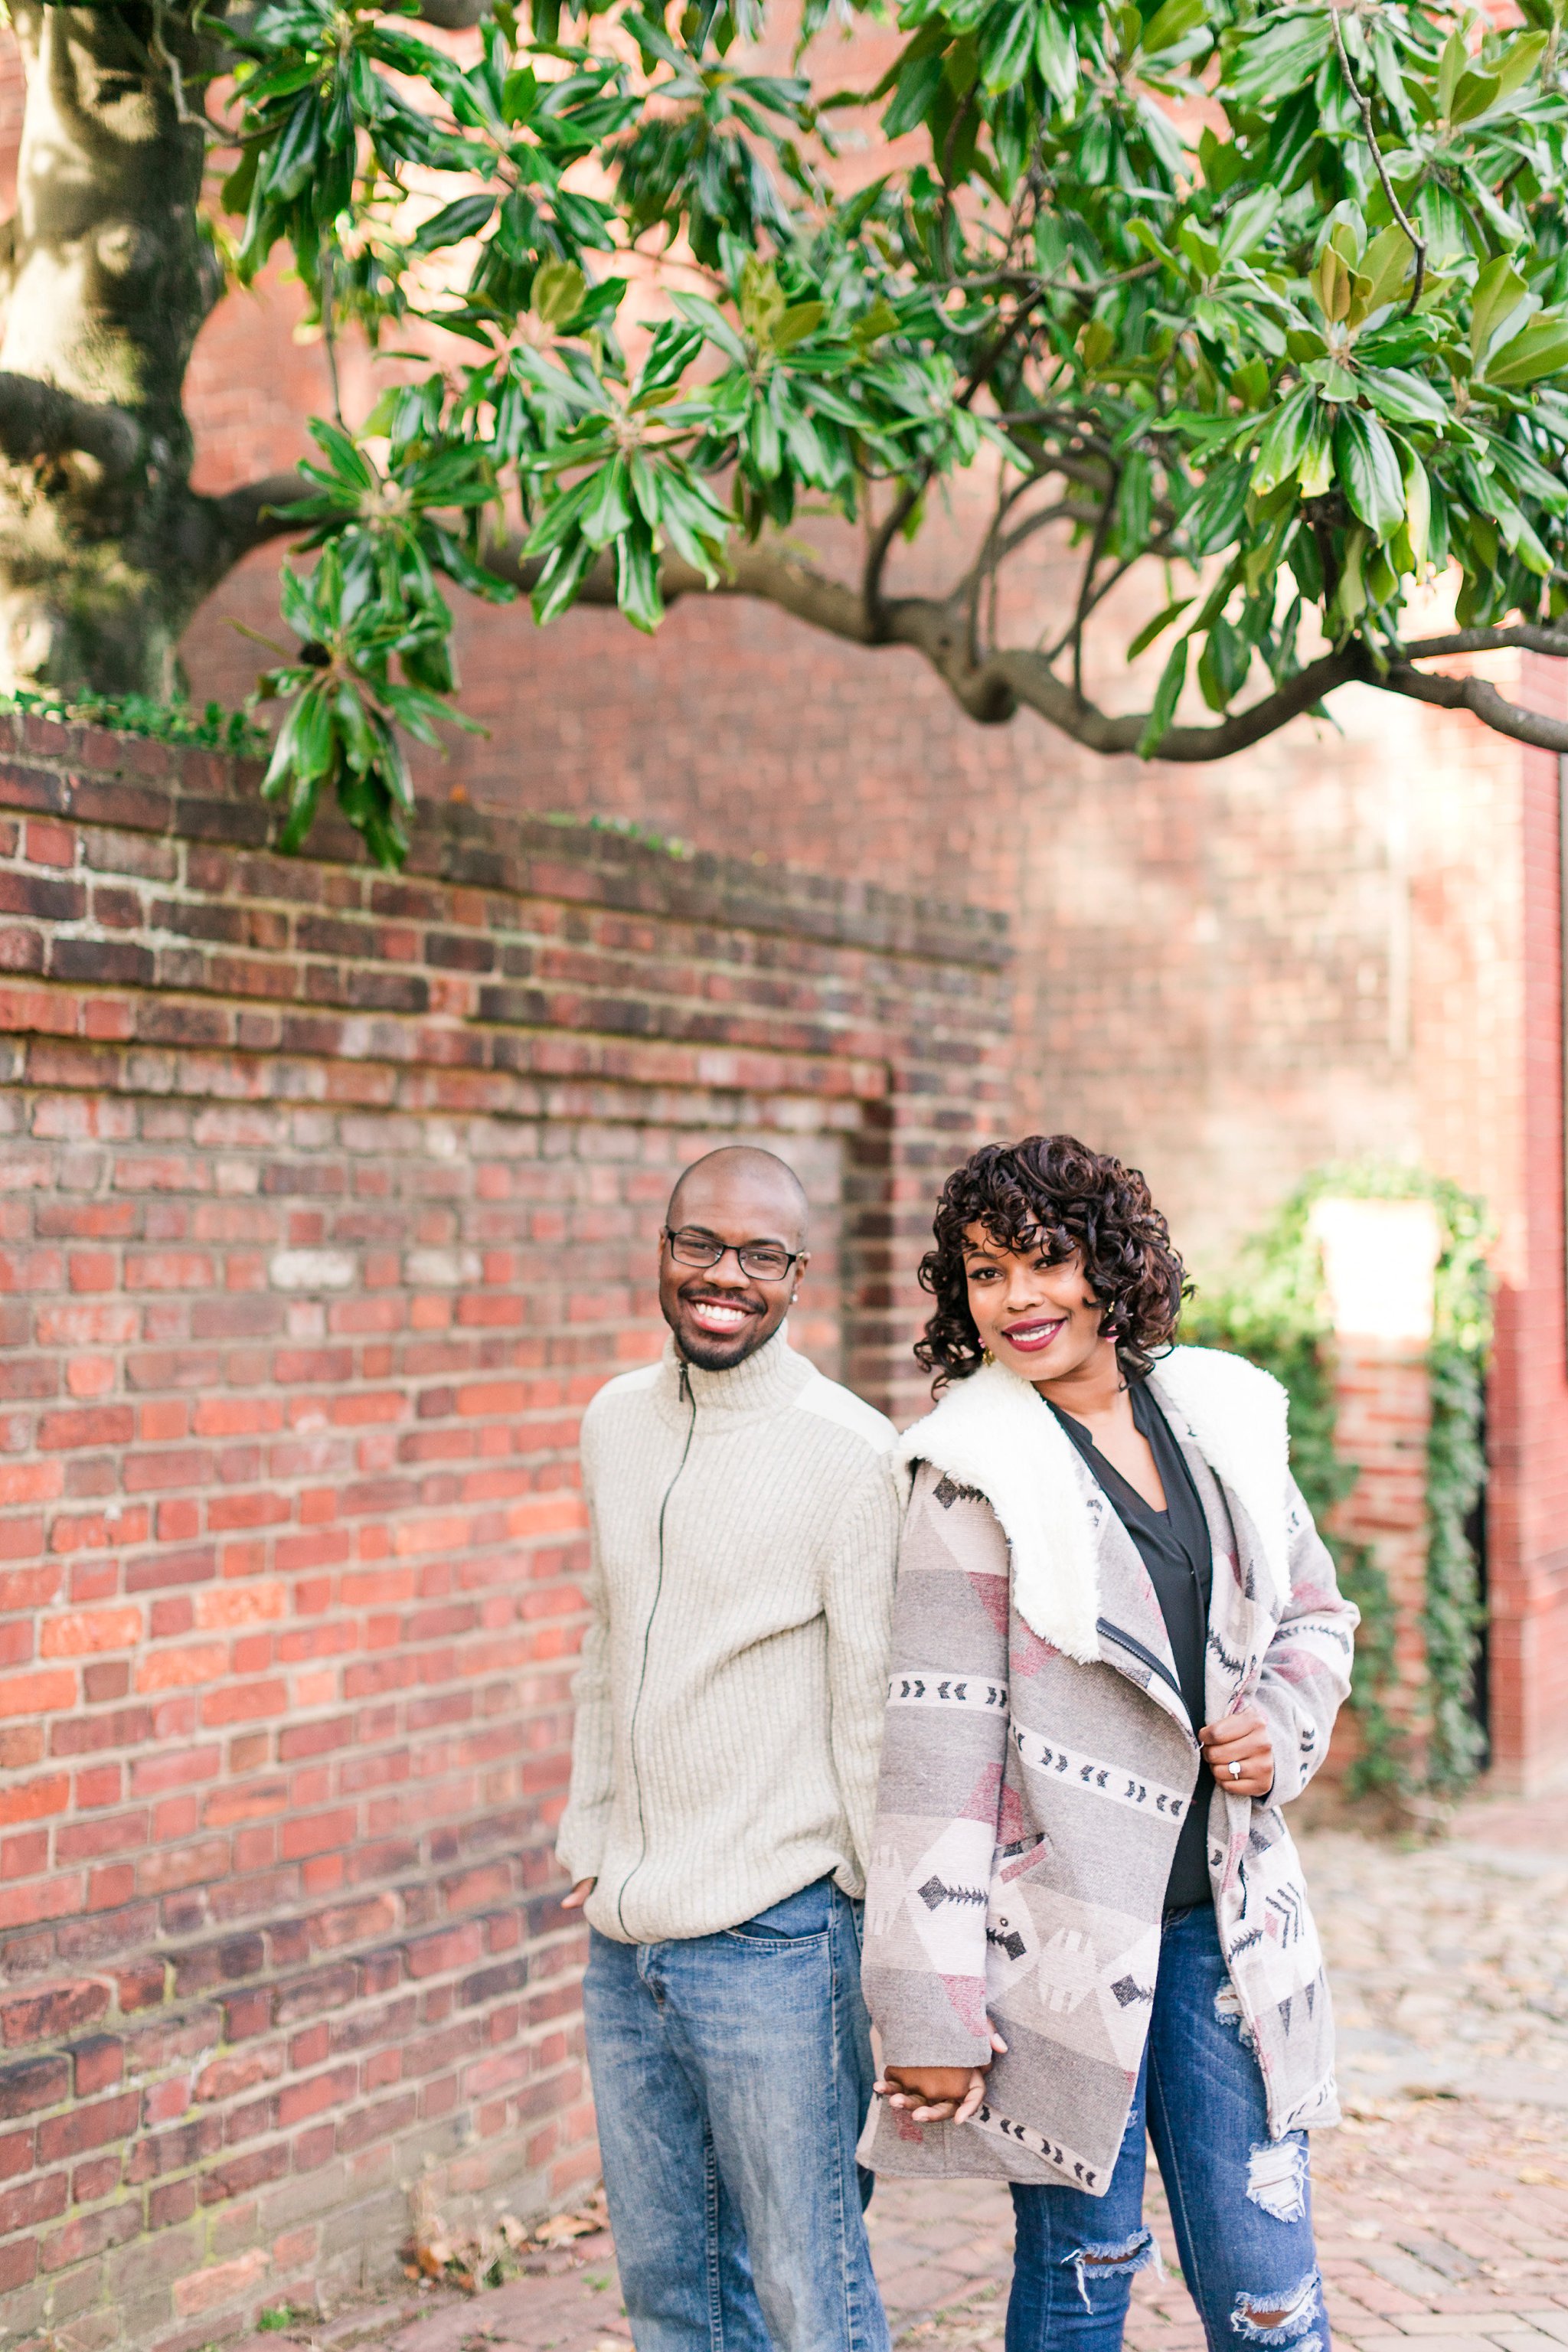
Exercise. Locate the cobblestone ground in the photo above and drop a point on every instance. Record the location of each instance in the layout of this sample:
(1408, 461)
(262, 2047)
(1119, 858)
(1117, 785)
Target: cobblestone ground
(1442, 2205)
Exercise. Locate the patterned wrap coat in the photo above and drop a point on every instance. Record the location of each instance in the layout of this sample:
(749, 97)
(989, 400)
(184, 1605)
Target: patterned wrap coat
(1039, 1763)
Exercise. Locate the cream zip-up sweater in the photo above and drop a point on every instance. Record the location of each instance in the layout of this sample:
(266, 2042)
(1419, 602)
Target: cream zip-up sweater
(744, 1530)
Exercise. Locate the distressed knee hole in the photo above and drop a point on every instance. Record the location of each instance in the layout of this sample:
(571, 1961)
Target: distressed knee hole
(1276, 2177)
(1280, 2318)
(1227, 2008)
(1138, 2253)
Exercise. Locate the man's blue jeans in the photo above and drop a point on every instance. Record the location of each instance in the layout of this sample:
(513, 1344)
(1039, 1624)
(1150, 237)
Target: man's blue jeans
(732, 2073)
(1240, 2203)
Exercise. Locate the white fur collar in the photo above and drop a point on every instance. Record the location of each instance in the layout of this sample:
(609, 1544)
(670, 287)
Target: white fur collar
(1236, 1413)
(992, 1432)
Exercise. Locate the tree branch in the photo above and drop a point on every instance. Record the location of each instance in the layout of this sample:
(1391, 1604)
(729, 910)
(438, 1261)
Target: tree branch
(1363, 105)
(1528, 637)
(1032, 681)
(38, 420)
(244, 518)
(1481, 698)
(213, 534)
(768, 570)
(881, 541)
(992, 689)
(454, 15)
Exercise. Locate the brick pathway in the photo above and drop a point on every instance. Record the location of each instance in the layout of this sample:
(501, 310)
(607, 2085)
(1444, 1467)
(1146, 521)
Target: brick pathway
(1442, 2214)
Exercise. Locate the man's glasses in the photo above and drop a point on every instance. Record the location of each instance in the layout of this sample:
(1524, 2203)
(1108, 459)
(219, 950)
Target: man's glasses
(764, 1261)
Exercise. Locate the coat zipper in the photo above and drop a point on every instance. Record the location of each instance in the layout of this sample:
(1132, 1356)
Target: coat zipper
(642, 1671)
(1125, 1642)
(1110, 1632)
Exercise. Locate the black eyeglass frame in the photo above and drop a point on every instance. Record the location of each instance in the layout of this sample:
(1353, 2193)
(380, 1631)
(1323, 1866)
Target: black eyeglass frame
(721, 1250)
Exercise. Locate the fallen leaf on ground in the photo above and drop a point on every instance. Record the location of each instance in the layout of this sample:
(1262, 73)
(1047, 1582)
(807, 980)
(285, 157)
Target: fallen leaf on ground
(561, 2228)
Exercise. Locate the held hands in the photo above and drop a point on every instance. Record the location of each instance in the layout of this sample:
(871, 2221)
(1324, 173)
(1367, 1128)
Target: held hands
(937, 2094)
(579, 1895)
(1241, 1738)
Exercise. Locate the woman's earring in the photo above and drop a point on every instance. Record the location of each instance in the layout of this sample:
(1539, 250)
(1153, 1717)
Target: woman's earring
(986, 1356)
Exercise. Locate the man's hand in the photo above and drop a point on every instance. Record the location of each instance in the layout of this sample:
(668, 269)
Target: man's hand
(579, 1895)
(1242, 1738)
(937, 2094)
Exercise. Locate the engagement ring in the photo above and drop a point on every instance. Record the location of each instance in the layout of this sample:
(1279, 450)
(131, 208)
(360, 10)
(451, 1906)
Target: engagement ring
(1234, 1770)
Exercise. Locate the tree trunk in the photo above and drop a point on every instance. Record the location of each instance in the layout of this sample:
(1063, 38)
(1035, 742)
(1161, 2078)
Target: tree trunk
(105, 278)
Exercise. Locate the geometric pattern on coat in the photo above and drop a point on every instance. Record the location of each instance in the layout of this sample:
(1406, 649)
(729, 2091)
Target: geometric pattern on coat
(1026, 1828)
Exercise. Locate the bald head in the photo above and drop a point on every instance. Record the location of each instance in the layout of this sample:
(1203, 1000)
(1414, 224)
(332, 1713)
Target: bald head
(735, 1200)
(737, 1177)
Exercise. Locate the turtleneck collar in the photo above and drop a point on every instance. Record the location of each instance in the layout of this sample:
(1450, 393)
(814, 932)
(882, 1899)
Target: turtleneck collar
(764, 1383)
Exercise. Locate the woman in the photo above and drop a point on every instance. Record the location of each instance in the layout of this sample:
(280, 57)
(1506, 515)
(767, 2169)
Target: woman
(1118, 1650)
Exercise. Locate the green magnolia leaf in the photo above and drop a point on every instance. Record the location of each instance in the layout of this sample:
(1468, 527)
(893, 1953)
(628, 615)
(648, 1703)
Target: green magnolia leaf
(1149, 251)
(1351, 597)
(1520, 61)
(312, 749)
(1007, 47)
(1388, 266)
(881, 319)
(1167, 694)
(1334, 283)
(563, 576)
(1500, 289)
(1417, 505)
(1249, 222)
(1222, 665)
(800, 320)
(917, 84)
(520, 94)
(606, 512)
(637, 579)
(345, 460)
(1287, 438)
(1367, 466)
(1455, 58)
(1157, 626)
(714, 324)
(1270, 64)
(1539, 351)
(558, 291)
(1056, 53)
(1403, 398)
(454, 222)
(1170, 23)
(1474, 94)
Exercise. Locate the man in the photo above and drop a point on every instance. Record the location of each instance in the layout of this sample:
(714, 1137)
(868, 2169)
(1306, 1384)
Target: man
(744, 1514)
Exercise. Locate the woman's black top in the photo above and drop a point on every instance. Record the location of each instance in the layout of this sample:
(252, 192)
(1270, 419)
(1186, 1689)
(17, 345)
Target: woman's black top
(1178, 1552)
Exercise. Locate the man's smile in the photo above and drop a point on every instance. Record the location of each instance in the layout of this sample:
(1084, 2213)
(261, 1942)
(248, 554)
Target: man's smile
(722, 1316)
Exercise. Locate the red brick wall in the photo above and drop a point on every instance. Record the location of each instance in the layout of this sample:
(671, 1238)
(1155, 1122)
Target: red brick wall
(1320, 951)
(326, 1201)
(1528, 1495)
(1383, 1401)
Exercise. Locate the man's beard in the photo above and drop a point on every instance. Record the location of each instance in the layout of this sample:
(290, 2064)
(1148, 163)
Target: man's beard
(709, 1353)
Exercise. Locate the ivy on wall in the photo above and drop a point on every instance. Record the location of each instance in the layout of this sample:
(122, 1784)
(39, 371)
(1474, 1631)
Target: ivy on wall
(211, 729)
(1275, 1311)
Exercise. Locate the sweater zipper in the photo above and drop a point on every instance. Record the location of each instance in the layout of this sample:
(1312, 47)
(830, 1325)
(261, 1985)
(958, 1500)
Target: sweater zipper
(642, 1671)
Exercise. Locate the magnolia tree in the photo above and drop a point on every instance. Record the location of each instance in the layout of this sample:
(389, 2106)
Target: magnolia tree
(1268, 302)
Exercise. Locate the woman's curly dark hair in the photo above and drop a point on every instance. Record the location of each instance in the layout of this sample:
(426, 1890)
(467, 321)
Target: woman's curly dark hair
(1051, 1193)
